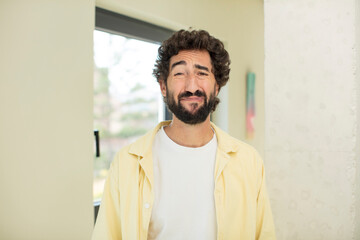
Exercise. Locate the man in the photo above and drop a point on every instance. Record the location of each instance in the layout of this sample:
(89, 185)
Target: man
(187, 179)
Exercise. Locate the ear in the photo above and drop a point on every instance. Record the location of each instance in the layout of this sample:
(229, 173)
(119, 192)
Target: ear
(162, 87)
(217, 89)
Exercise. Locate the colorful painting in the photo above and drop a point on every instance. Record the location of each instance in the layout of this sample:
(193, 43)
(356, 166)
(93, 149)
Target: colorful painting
(250, 105)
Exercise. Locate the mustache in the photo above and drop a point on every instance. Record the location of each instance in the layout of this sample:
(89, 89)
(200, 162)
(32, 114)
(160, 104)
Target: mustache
(197, 93)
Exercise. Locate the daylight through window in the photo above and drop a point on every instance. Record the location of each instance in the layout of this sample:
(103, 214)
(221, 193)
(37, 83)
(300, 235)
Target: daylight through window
(127, 99)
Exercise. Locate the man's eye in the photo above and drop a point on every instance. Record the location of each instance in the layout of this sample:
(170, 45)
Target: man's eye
(203, 74)
(178, 74)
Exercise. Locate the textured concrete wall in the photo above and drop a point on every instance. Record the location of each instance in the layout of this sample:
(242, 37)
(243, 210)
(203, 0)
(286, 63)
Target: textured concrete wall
(357, 148)
(311, 117)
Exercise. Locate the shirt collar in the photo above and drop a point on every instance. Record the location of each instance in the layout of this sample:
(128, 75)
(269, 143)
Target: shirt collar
(140, 148)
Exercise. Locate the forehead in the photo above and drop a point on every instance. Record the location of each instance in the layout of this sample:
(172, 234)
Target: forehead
(192, 57)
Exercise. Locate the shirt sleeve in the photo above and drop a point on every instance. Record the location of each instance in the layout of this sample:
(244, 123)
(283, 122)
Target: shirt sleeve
(108, 225)
(265, 229)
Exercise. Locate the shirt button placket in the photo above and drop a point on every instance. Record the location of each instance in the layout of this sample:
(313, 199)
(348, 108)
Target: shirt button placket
(220, 211)
(146, 216)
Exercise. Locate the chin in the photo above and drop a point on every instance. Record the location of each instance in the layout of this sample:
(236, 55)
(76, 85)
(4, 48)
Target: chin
(192, 107)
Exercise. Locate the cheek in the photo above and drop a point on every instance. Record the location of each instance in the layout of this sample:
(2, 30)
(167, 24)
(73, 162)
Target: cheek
(176, 87)
(208, 87)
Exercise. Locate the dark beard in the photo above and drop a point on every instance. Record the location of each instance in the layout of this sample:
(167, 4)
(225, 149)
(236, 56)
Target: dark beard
(184, 115)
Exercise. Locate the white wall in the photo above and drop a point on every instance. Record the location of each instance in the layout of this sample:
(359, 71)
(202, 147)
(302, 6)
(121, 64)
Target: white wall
(46, 139)
(357, 148)
(312, 117)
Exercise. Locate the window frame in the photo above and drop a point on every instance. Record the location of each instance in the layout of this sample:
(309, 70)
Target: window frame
(115, 23)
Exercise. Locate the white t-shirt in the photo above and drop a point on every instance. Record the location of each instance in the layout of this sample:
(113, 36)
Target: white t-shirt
(184, 205)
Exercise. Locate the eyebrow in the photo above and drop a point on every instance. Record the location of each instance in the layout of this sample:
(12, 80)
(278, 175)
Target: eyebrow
(182, 62)
(202, 67)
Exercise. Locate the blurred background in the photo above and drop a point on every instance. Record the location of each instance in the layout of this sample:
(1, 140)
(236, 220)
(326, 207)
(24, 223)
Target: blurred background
(63, 74)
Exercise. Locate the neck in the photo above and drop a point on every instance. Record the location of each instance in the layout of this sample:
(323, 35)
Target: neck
(189, 135)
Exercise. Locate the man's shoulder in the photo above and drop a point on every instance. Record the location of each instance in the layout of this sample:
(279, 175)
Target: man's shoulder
(142, 145)
(239, 152)
(126, 160)
(137, 147)
(230, 143)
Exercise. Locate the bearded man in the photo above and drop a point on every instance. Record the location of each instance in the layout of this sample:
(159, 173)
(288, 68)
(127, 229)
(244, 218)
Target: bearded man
(187, 179)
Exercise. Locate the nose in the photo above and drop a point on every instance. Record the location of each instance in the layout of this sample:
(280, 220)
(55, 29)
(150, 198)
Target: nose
(192, 84)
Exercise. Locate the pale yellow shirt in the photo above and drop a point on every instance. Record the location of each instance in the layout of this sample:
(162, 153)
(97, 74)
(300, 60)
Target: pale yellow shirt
(241, 201)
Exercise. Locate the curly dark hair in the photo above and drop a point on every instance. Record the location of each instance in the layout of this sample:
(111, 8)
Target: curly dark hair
(193, 40)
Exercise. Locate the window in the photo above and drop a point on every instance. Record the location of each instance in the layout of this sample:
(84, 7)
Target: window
(127, 99)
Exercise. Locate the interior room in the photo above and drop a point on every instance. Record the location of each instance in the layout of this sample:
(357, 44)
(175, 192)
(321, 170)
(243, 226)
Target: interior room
(305, 60)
